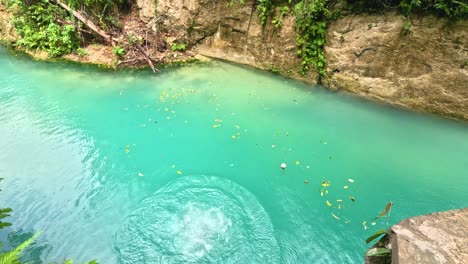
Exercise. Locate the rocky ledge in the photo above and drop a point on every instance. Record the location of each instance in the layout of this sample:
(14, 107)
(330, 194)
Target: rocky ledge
(435, 238)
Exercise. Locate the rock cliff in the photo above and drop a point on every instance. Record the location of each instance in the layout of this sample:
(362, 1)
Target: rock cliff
(425, 69)
(233, 33)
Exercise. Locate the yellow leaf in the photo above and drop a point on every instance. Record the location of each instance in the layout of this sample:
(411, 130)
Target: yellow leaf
(215, 126)
(334, 216)
(346, 187)
(233, 137)
(297, 163)
(325, 184)
(179, 172)
(328, 203)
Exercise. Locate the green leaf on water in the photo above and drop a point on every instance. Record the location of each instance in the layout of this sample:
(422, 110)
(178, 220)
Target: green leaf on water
(375, 235)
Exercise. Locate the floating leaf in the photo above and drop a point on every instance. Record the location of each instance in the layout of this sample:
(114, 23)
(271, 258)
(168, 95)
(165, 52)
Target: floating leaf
(365, 226)
(385, 211)
(346, 187)
(140, 174)
(326, 183)
(215, 126)
(298, 163)
(321, 193)
(179, 172)
(233, 137)
(375, 235)
(352, 198)
(339, 200)
(351, 180)
(334, 216)
(328, 203)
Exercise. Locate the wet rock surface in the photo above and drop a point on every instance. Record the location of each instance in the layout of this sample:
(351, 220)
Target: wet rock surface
(434, 238)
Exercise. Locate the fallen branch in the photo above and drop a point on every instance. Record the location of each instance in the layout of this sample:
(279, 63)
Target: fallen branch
(148, 59)
(86, 21)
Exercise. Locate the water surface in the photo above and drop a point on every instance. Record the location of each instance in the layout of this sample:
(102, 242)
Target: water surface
(184, 166)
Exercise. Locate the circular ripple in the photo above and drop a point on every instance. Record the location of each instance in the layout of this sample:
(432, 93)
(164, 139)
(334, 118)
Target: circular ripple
(200, 219)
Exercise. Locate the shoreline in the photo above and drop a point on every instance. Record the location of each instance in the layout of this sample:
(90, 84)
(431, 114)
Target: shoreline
(198, 58)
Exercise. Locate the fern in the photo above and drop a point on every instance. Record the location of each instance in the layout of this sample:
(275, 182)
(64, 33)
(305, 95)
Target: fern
(12, 257)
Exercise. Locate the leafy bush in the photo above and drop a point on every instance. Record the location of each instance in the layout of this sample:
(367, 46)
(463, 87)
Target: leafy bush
(452, 9)
(36, 26)
(311, 27)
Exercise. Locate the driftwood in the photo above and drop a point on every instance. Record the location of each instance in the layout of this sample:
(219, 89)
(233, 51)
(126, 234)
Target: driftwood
(86, 21)
(147, 57)
(104, 35)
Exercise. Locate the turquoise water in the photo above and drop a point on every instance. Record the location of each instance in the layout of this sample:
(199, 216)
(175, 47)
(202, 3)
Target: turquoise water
(184, 166)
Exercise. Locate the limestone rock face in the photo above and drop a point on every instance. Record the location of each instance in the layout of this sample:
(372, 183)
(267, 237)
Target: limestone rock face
(425, 69)
(436, 238)
(146, 10)
(231, 33)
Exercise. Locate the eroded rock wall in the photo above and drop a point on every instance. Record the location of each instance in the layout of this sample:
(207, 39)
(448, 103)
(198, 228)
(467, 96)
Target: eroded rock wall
(213, 29)
(425, 69)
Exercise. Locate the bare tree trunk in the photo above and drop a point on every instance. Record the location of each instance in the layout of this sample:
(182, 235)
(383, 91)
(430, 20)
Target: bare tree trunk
(86, 21)
(147, 57)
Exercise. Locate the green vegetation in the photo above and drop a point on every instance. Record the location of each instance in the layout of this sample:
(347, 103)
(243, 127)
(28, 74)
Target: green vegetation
(43, 25)
(178, 47)
(118, 50)
(37, 26)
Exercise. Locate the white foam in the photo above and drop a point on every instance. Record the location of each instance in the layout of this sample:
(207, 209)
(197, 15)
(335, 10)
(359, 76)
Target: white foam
(198, 219)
